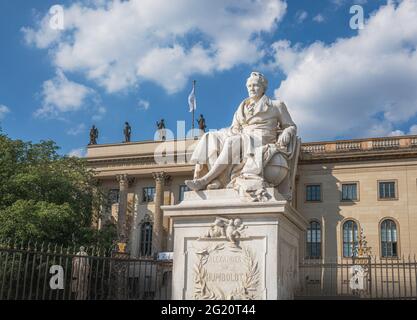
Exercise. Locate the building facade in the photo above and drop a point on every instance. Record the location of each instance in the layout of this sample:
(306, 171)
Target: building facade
(347, 190)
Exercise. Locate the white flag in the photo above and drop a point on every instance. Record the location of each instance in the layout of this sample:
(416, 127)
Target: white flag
(192, 101)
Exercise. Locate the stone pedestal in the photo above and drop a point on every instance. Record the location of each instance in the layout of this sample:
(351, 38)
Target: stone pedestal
(225, 248)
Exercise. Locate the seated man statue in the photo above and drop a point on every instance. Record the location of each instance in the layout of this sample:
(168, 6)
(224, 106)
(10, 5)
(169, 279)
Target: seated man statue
(254, 153)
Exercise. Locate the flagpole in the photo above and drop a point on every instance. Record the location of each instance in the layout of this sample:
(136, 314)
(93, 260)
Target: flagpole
(194, 82)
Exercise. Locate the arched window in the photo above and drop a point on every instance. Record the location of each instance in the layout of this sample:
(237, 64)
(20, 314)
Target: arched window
(389, 247)
(350, 238)
(314, 240)
(146, 239)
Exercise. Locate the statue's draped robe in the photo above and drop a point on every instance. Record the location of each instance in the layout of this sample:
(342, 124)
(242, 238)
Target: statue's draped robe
(256, 127)
(80, 275)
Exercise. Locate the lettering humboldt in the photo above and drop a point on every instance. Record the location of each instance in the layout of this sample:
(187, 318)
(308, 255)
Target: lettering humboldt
(225, 277)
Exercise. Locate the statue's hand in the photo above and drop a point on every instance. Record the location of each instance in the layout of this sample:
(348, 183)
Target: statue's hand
(284, 139)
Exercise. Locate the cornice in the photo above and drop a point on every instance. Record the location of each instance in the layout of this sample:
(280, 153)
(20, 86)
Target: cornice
(372, 155)
(385, 148)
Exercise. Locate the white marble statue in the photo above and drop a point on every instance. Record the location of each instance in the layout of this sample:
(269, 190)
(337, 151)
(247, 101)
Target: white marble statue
(259, 150)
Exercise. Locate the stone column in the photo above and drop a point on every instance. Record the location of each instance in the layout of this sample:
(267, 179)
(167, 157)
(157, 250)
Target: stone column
(158, 237)
(124, 181)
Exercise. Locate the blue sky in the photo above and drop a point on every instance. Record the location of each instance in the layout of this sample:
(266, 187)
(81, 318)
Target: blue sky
(135, 61)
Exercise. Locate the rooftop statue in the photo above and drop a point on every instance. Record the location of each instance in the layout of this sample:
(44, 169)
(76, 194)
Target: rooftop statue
(127, 132)
(161, 129)
(93, 135)
(258, 151)
(202, 123)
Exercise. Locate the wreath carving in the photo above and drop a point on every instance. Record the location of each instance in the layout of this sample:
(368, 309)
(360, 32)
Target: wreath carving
(248, 285)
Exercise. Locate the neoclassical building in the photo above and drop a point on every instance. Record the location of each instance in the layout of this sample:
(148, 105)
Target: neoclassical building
(343, 188)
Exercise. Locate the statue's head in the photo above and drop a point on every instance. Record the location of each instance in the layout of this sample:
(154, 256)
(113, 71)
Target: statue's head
(257, 85)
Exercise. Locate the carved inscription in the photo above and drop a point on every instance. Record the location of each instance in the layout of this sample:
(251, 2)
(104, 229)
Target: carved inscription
(226, 272)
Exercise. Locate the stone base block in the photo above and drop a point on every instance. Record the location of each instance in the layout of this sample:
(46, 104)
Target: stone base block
(228, 249)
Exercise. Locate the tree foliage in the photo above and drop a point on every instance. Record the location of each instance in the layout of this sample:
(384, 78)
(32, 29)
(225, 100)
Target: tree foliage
(47, 197)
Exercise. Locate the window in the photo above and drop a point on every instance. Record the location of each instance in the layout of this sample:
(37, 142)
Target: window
(183, 189)
(314, 240)
(350, 238)
(387, 190)
(146, 239)
(148, 194)
(113, 196)
(389, 247)
(313, 192)
(349, 191)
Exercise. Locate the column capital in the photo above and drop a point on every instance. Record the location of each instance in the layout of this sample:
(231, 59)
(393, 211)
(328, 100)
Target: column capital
(159, 176)
(125, 179)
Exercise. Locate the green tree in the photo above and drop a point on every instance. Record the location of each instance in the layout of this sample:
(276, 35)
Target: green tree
(47, 197)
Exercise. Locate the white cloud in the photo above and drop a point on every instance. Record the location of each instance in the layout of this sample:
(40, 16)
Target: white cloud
(300, 16)
(359, 86)
(144, 104)
(60, 95)
(43, 39)
(396, 133)
(119, 44)
(318, 18)
(99, 114)
(339, 3)
(78, 153)
(413, 130)
(3, 111)
(77, 130)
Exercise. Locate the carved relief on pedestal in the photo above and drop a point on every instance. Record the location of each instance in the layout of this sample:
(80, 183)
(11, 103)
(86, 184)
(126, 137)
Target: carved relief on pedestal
(229, 229)
(226, 270)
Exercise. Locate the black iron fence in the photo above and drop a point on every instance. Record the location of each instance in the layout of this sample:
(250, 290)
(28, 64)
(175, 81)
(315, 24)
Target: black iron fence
(41, 272)
(358, 278)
